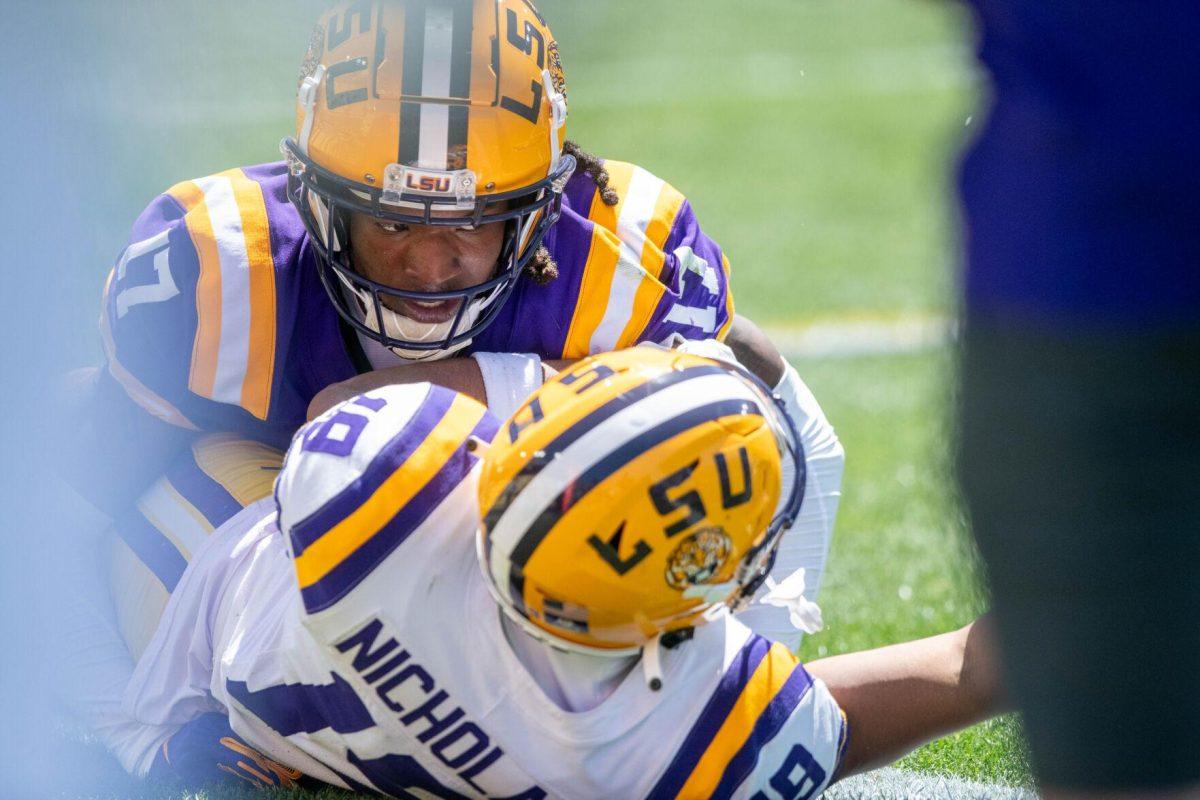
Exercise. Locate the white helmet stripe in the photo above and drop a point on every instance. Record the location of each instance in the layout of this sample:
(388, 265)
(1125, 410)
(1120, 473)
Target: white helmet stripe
(435, 82)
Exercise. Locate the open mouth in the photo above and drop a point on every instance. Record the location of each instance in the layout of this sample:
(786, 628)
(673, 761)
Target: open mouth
(425, 311)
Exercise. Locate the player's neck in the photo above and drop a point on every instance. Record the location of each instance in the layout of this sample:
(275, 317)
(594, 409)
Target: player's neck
(573, 681)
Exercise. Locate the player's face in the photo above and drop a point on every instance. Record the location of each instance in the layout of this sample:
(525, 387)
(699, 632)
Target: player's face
(424, 258)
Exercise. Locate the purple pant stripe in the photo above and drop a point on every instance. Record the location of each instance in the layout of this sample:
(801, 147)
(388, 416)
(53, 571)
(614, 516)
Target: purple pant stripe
(152, 549)
(200, 489)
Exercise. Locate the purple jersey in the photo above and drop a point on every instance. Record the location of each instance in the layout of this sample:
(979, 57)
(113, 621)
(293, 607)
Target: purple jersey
(215, 318)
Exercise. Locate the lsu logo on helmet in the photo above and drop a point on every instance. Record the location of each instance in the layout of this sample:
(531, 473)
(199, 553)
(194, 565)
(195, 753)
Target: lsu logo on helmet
(632, 494)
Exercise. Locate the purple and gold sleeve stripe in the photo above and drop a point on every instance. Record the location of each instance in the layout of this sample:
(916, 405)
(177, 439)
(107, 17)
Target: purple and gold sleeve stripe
(340, 544)
(621, 285)
(756, 696)
(233, 354)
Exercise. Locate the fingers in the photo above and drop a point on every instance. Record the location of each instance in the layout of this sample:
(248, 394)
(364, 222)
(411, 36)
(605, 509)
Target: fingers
(265, 770)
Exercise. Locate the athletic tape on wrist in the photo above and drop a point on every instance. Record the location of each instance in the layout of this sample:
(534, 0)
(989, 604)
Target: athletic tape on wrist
(508, 379)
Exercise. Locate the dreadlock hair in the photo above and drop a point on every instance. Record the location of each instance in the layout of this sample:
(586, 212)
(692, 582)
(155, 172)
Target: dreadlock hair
(541, 269)
(593, 166)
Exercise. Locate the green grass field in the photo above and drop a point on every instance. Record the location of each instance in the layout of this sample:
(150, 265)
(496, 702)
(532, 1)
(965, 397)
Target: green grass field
(817, 141)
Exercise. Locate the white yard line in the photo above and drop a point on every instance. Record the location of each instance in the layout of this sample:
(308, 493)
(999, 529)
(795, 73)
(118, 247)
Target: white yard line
(895, 784)
(854, 336)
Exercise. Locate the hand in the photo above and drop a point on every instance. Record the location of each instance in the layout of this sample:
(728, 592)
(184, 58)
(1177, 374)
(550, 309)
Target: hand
(706, 348)
(710, 348)
(206, 751)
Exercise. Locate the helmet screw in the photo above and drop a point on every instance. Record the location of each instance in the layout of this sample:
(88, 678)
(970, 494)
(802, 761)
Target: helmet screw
(369, 178)
(491, 185)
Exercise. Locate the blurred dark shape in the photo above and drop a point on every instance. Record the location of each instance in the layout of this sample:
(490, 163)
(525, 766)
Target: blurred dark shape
(1080, 447)
(94, 91)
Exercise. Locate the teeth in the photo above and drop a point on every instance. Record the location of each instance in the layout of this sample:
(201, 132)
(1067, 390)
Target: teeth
(427, 303)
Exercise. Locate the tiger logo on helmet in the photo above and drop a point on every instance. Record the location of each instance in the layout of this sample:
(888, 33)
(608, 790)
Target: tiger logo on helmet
(698, 558)
(428, 112)
(633, 494)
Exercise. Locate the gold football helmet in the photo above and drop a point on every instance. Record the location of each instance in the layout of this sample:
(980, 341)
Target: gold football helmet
(428, 112)
(634, 493)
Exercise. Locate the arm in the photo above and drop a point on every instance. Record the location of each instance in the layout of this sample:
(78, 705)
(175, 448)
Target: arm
(749, 344)
(754, 351)
(896, 698)
(806, 543)
(460, 374)
(167, 337)
(206, 752)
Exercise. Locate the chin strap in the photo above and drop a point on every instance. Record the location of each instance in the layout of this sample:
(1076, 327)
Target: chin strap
(652, 664)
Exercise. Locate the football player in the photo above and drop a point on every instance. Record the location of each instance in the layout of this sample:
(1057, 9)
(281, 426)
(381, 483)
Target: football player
(428, 207)
(441, 604)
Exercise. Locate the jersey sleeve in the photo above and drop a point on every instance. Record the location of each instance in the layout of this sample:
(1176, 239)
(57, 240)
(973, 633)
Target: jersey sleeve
(805, 545)
(769, 730)
(698, 301)
(651, 273)
(188, 321)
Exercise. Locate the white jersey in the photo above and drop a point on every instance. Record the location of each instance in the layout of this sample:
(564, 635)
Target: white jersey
(392, 672)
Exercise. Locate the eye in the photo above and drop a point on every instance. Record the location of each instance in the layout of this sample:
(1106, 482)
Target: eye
(391, 227)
